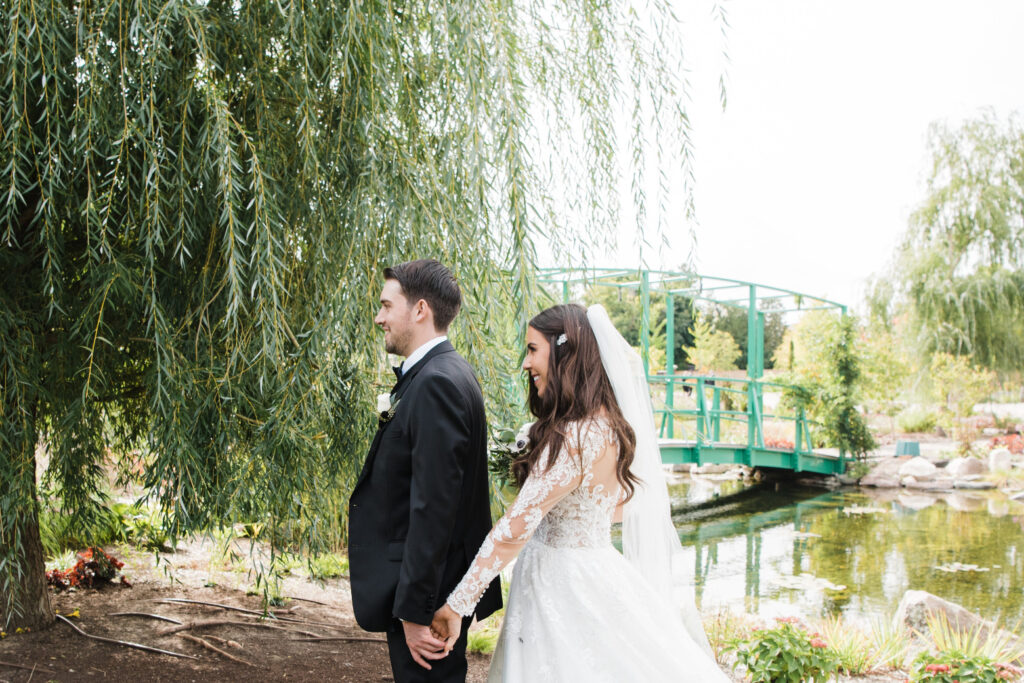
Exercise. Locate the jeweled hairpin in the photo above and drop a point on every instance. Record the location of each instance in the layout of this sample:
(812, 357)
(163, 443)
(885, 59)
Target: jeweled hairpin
(561, 339)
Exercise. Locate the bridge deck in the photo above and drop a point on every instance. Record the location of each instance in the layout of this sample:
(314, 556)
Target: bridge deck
(677, 452)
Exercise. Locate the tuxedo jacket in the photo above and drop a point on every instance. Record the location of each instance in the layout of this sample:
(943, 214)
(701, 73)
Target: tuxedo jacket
(421, 507)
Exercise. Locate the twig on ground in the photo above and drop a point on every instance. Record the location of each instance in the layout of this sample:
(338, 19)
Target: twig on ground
(214, 648)
(349, 639)
(34, 667)
(243, 610)
(231, 622)
(144, 614)
(224, 641)
(315, 602)
(126, 643)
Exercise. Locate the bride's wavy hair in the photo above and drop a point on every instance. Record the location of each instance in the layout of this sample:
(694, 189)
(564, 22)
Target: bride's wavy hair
(577, 388)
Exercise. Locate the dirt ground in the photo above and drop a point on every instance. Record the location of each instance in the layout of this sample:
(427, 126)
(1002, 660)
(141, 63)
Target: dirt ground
(61, 654)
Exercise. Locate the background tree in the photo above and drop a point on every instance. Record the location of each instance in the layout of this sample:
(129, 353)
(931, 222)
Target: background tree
(822, 357)
(197, 202)
(958, 275)
(712, 349)
(734, 321)
(625, 308)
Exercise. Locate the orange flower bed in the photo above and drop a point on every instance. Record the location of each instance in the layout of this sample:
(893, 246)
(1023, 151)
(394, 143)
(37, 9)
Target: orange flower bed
(94, 568)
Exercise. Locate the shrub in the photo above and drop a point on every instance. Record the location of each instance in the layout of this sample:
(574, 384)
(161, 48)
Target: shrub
(784, 654)
(952, 666)
(917, 419)
(1014, 442)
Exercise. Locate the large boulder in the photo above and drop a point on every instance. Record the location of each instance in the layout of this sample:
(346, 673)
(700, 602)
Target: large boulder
(964, 467)
(915, 607)
(919, 468)
(881, 481)
(1000, 460)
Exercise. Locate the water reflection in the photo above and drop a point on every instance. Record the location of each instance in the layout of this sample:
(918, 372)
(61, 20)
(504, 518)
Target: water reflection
(850, 552)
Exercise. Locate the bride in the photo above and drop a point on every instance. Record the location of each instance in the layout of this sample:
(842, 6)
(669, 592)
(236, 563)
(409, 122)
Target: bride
(578, 610)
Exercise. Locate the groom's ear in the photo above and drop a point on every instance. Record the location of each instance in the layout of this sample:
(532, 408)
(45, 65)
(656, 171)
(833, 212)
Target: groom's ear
(422, 311)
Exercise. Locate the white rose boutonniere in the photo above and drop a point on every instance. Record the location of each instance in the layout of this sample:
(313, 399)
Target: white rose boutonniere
(385, 408)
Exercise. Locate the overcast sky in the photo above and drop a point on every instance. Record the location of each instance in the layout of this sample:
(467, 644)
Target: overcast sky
(807, 179)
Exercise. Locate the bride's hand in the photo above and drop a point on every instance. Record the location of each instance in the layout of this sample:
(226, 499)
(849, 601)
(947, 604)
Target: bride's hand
(448, 625)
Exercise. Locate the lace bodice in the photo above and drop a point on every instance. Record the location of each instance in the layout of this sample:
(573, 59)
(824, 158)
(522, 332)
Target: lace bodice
(571, 504)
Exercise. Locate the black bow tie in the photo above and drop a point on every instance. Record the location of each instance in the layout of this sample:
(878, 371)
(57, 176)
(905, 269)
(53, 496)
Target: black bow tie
(398, 371)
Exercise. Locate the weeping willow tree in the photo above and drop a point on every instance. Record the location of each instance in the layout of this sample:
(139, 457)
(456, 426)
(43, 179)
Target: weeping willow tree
(198, 199)
(959, 273)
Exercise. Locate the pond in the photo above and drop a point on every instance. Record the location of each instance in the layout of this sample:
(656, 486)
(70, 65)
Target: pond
(777, 550)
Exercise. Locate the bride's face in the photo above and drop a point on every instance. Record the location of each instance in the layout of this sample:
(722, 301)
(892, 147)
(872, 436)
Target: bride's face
(538, 351)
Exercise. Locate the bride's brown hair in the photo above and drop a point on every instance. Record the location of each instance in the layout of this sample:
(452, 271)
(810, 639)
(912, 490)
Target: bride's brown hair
(577, 388)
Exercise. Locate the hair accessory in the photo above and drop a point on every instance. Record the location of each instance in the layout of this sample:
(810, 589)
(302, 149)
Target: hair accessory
(561, 339)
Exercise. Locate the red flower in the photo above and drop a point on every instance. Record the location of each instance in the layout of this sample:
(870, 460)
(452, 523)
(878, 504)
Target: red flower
(937, 668)
(818, 642)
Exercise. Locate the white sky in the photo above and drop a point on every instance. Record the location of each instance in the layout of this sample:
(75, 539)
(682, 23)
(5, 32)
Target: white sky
(806, 181)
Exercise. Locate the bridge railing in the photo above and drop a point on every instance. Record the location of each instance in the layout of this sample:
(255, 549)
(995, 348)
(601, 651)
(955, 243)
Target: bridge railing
(709, 414)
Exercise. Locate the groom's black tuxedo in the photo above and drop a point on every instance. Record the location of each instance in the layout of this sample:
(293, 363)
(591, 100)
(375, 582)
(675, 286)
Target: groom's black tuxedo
(421, 509)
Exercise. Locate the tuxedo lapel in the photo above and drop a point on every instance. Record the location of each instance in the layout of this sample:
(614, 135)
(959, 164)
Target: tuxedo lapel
(399, 390)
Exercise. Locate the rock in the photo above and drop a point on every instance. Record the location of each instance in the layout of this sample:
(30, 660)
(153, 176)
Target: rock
(847, 480)
(1019, 497)
(961, 467)
(915, 607)
(711, 468)
(1000, 460)
(880, 481)
(919, 468)
(936, 485)
(974, 485)
(683, 468)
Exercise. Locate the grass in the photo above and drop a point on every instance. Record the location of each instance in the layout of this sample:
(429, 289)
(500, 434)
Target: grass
(994, 644)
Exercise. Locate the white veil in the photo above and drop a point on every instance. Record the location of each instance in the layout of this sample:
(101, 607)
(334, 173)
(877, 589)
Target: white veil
(649, 539)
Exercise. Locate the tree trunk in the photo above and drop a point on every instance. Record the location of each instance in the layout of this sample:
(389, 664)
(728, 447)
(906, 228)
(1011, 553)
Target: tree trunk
(24, 596)
(34, 609)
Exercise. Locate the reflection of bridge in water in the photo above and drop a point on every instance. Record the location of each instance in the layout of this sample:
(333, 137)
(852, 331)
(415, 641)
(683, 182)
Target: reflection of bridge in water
(747, 514)
(727, 421)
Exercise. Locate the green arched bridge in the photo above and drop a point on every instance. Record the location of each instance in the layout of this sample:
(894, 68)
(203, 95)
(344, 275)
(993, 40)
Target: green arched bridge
(708, 418)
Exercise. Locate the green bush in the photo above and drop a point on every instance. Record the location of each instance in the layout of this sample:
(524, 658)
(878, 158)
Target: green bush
(784, 654)
(951, 666)
(917, 419)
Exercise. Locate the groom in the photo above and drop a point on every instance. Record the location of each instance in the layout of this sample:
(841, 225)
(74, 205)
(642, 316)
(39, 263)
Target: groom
(421, 508)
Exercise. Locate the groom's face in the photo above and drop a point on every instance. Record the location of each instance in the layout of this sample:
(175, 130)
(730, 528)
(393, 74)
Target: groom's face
(396, 317)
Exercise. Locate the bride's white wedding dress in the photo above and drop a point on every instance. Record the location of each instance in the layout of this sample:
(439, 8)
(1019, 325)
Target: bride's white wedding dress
(577, 609)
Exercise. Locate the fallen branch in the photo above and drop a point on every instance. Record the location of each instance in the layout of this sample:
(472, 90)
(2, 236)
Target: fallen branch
(144, 614)
(223, 641)
(26, 668)
(214, 648)
(315, 602)
(217, 604)
(230, 622)
(348, 639)
(126, 643)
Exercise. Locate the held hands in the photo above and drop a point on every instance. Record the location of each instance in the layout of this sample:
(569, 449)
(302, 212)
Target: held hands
(447, 624)
(423, 644)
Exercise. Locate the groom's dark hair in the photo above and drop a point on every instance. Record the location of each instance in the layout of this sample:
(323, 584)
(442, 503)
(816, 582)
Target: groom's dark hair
(428, 279)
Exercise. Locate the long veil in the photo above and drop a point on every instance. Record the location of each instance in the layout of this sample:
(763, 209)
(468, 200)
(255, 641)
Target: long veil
(649, 539)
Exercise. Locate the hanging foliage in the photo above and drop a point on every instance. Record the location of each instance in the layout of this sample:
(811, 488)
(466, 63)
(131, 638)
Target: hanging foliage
(198, 199)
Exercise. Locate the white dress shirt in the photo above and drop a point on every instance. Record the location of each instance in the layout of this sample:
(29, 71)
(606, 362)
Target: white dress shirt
(417, 355)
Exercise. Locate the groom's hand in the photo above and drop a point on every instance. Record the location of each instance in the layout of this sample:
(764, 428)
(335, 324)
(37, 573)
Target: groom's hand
(448, 625)
(422, 644)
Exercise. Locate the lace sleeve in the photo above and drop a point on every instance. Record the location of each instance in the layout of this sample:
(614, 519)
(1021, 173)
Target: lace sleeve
(540, 492)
